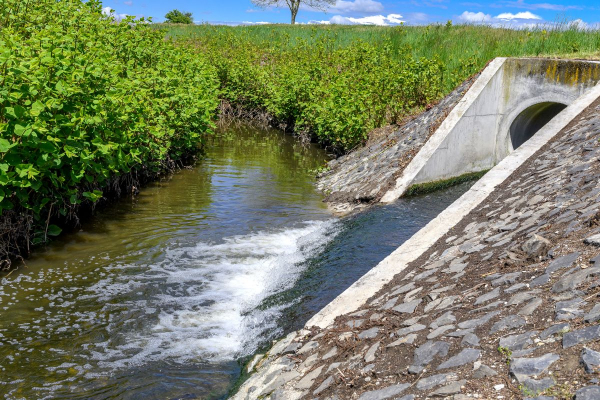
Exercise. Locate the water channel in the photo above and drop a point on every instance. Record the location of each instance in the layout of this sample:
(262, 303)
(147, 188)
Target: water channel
(162, 296)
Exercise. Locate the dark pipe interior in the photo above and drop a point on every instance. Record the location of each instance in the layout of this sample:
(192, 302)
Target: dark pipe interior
(532, 120)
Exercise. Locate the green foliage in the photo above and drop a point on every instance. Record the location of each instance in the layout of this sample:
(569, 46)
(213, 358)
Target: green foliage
(336, 94)
(507, 353)
(178, 17)
(85, 99)
(339, 82)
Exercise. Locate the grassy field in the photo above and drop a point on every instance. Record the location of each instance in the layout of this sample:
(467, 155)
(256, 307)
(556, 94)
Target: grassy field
(463, 49)
(339, 82)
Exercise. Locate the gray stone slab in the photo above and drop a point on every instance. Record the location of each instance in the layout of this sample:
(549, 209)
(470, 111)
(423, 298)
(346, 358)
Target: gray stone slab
(515, 288)
(324, 385)
(433, 381)
(569, 309)
(530, 307)
(474, 323)
(407, 308)
(445, 319)
(408, 339)
(554, 329)
(487, 296)
(507, 279)
(483, 372)
(521, 297)
(507, 323)
(426, 353)
(440, 331)
(449, 389)
(584, 335)
(355, 323)
(518, 342)
(590, 360)
(523, 368)
(538, 386)
(410, 329)
(307, 381)
(369, 333)
(588, 393)
(403, 289)
(571, 281)
(330, 353)
(593, 240)
(308, 347)
(536, 246)
(370, 355)
(470, 339)
(385, 393)
(562, 262)
(466, 356)
(593, 315)
(390, 303)
(539, 281)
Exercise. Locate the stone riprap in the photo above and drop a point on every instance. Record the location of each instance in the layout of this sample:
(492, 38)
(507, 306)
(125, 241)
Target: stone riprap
(363, 176)
(505, 305)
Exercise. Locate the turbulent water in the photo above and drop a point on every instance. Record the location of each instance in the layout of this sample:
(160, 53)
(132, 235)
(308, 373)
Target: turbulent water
(162, 295)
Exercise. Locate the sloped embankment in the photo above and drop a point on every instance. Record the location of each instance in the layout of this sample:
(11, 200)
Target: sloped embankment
(364, 175)
(504, 304)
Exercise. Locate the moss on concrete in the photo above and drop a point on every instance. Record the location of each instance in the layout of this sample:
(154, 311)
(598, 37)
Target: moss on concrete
(423, 188)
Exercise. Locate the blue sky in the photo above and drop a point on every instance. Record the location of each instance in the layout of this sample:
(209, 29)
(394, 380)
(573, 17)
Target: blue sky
(380, 12)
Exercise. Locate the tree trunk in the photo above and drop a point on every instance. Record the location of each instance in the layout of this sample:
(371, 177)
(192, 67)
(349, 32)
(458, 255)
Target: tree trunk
(294, 6)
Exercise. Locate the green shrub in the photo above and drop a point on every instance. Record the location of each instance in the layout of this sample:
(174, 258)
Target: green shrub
(85, 99)
(178, 17)
(337, 94)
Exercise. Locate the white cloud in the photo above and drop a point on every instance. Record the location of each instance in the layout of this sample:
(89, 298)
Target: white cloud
(472, 17)
(357, 7)
(256, 23)
(521, 15)
(128, 3)
(381, 20)
(109, 12)
(539, 6)
(520, 20)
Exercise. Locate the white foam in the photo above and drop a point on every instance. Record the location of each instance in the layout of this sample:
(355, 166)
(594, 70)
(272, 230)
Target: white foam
(206, 298)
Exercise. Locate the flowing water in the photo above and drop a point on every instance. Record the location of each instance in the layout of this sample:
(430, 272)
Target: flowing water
(163, 295)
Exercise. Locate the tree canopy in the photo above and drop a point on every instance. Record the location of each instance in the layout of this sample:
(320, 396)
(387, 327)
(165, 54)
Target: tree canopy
(294, 5)
(178, 17)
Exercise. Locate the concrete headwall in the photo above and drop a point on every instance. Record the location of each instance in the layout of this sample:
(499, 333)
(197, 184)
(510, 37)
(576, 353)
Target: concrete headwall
(476, 134)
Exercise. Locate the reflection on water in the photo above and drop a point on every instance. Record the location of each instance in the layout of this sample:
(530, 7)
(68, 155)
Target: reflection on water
(160, 296)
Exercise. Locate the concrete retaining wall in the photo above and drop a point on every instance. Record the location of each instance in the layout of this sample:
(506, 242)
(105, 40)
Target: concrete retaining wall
(476, 134)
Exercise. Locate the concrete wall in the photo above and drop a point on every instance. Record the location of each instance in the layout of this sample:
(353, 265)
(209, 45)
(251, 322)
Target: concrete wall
(476, 134)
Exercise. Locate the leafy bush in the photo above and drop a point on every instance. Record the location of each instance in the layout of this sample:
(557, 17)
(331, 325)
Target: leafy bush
(337, 94)
(178, 17)
(85, 100)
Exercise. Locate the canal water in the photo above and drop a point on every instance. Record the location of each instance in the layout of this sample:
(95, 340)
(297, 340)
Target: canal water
(162, 296)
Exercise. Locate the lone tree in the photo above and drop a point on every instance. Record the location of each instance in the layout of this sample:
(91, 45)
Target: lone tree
(294, 5)
(178, 17)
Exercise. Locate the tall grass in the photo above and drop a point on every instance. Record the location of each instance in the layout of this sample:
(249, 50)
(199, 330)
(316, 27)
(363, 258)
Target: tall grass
(340, 82)
(462, 49)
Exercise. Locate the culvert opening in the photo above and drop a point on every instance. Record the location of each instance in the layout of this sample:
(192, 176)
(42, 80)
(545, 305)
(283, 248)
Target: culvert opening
(532, 120)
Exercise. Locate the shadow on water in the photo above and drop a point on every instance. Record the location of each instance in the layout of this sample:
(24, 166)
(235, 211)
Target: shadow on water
(162, 296)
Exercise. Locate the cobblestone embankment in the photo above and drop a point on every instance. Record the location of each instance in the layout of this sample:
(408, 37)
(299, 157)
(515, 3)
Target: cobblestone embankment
(505, 305)
(363, 176)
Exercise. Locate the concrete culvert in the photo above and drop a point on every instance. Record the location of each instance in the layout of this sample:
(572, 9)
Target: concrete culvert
(532, 120)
